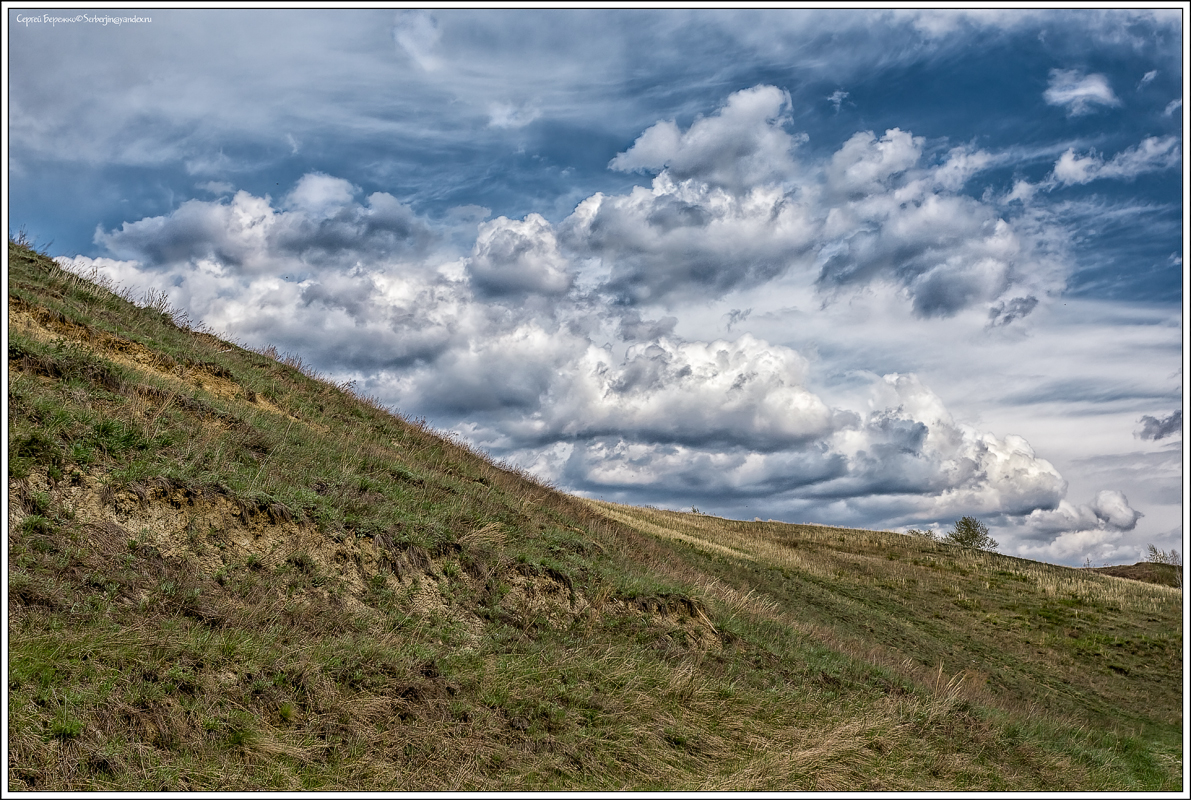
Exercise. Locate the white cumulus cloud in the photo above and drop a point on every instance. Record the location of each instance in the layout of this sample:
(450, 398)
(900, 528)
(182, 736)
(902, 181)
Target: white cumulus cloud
(319, 196)
(518, 257)
(1094, 531)
(741, 146)
(730, 209)
(689, 237)
(864, 164)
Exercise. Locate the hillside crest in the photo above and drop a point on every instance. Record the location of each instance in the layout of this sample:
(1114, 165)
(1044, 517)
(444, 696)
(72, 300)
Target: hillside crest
(227, 573)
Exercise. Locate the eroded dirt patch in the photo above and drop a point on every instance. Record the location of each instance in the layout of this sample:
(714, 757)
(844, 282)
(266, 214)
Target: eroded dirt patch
(49, 326)
(206, 534)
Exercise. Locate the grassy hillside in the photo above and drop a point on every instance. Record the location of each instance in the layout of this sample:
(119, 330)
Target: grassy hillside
(226, 573)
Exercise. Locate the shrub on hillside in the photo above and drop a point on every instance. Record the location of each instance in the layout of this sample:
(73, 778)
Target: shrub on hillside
(1156, 556)
(971, 532)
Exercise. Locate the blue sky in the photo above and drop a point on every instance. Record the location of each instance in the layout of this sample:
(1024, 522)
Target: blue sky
(875, 268)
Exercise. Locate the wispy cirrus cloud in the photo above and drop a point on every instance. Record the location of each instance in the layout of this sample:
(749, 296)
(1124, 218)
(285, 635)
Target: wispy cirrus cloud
(510, 115)
(1079, 93)
(417, 34)
(1151, 155)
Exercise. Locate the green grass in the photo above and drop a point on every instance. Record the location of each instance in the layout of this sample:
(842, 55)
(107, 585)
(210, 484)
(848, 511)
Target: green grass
(1102, 654)
(226, 573)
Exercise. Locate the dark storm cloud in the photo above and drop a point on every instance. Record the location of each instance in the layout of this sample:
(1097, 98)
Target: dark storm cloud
(669, 214)
(196, 230)
(736, 316)
(634, 328)
(504, 382)
(674, 473)
(1007, 311)
(1153, 428)
(942, 291)
(354, 298)
(382, 228)
(322, 226)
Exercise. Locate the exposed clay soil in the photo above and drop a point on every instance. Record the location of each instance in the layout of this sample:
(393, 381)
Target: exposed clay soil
(204, 533)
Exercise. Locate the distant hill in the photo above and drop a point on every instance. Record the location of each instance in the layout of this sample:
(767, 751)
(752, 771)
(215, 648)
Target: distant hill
(1161, 574)
(227, 573)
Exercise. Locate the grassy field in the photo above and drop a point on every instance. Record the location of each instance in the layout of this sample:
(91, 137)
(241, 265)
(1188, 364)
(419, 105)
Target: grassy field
(226, 573)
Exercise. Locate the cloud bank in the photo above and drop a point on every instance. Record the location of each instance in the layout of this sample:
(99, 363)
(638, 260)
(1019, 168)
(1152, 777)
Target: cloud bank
(549, 343)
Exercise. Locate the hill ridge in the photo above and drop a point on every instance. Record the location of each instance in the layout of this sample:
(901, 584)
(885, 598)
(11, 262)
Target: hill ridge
(228, 573)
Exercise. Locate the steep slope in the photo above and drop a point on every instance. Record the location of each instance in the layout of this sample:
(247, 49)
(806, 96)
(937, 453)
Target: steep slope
(226, 573)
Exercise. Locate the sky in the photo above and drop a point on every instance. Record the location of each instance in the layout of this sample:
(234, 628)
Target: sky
(874, 268)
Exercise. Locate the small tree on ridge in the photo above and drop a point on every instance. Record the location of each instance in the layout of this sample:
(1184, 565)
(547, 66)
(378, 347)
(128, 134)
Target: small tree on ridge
(971, 532)
(1156, 556)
